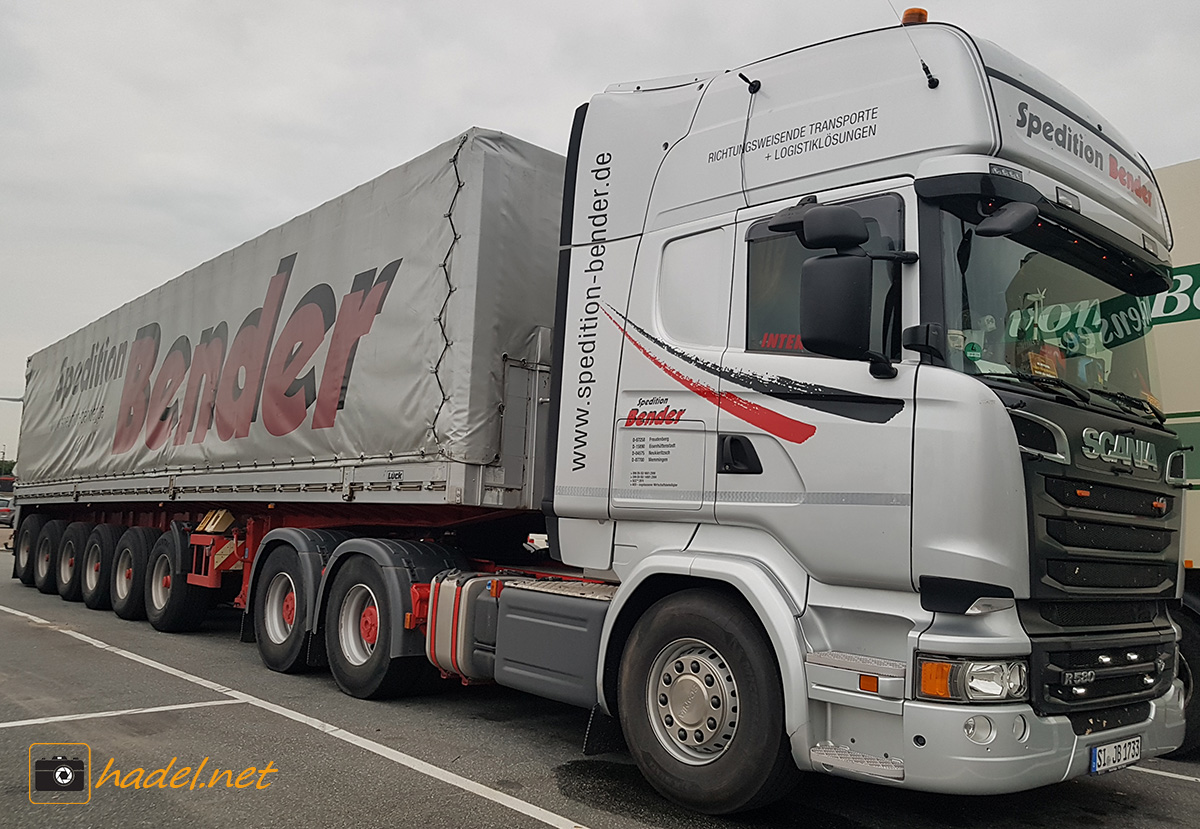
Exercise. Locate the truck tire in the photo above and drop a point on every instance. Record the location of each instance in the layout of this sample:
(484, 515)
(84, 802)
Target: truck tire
(731, 754)
(358, 636)
(1189, 672)
(126, 585)
(70, 560)
(27, 536)
(281, 612)
(45, 563)
(172, 604)
(97, 565)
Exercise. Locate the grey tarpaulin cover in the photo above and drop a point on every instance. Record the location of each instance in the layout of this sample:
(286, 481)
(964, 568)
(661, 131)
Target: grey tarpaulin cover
(374, 324)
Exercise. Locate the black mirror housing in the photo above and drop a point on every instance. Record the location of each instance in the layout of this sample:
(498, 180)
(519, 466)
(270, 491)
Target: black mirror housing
(833, 226)
(1009, 219)
(835, 307)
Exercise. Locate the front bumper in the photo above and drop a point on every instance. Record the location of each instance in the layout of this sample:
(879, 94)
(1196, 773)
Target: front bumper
(1051, 752)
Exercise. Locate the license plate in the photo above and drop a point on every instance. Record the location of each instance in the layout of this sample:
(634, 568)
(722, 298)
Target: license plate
(1116, 755)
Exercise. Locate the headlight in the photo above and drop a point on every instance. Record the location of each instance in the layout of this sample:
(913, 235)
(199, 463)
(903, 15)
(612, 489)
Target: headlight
(955, 679)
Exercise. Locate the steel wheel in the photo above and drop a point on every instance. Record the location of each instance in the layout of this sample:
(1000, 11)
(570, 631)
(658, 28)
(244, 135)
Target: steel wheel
(66, 565)
(91, 567)
(42, 564)
(279, 614)
(124, 569)
(694, 694)
(160, 581)
(358, 624)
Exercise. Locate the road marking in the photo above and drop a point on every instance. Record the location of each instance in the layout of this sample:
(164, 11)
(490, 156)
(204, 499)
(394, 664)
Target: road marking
(420, 766)
(1166, 774)
(125, 712)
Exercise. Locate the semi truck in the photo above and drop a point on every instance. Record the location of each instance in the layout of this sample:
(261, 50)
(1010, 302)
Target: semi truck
(802, 417)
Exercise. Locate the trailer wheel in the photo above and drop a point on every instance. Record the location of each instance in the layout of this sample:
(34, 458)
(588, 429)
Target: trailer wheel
(1189, 672)
(70, 560)
(172, 604)
(358, 636)
(97, 565)
(27, 537)
(701, 704)
(45, 561)
(126, 586)
(281, 612)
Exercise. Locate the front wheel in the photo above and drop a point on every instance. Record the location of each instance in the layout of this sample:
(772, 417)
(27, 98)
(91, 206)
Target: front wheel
(358, 636)
(1189, 672)
(701, 704)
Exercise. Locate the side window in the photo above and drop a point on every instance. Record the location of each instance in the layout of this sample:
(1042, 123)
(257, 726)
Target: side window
(773, 281)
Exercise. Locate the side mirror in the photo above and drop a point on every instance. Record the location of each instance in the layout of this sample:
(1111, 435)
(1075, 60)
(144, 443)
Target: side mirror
(835, 306)
(1009, 219)
(833, 226)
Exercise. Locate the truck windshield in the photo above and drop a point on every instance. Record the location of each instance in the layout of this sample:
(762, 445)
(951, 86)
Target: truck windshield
(1041, 307)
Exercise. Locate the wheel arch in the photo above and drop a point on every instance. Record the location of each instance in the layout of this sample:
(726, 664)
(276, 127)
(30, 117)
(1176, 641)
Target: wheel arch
(403, 563)
(313, 547)
(776, 612)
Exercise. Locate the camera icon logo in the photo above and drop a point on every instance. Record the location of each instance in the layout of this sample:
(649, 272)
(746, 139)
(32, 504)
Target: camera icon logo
(60, 773)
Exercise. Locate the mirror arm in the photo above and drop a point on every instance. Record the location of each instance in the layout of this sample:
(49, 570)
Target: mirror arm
(904, 257)
(881, 367)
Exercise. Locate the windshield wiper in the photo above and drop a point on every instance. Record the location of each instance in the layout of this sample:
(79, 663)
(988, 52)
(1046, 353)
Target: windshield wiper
(1141, 402)
(1042, 380)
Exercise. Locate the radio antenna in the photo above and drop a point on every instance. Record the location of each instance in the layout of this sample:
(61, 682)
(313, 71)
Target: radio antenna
(915, 16)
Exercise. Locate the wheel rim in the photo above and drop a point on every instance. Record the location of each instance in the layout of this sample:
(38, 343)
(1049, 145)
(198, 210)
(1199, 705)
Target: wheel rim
(358, 624)
(43, 560)
(160, 582)
(66, 563)
(124, 580)
(692, 701)
(91, 568)
(24, 548)
(279, 612)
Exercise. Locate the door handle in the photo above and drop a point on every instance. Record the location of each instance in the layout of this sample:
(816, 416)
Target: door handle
(737, 456)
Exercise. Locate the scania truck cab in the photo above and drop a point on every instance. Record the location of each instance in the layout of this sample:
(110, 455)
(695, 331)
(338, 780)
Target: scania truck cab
(852, 356)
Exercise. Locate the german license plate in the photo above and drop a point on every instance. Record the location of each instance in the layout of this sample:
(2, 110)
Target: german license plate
(1116, 755)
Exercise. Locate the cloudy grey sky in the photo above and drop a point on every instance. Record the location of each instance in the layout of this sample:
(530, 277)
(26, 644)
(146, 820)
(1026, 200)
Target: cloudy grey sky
(139, 138)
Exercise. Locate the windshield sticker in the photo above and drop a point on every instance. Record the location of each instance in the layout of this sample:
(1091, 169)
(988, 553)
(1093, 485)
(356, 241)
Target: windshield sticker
(1041, 365)
(973, 352)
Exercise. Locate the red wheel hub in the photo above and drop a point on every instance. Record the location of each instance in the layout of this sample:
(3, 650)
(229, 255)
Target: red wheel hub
(128, 574)
(166, 582)
(96, 567)
(368, 625)
(71, 561)
(289, 609)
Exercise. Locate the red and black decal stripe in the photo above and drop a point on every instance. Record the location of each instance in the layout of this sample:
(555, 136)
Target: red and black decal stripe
(839, 402)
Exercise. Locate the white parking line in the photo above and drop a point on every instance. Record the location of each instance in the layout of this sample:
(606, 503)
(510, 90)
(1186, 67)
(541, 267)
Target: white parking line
(1166, 774)
(122, 713)
(516, 804)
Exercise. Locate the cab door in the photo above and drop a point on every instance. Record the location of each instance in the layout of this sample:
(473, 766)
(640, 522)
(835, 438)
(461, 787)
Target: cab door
(811, 449)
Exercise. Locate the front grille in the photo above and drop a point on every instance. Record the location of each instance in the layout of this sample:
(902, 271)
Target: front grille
(1088, 673)
(1092, 614)
(1094, 535)
(1109, 574)
(1090, 722)
(1105, 498)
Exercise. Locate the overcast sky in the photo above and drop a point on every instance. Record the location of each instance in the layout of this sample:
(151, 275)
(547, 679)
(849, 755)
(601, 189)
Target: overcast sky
(138, 139)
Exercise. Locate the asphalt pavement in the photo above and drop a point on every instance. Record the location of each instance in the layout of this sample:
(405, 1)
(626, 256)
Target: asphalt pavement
(265, 749)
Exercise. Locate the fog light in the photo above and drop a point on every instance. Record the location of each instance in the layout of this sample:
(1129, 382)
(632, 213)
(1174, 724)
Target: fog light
(1020, 729)
(979, 729)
